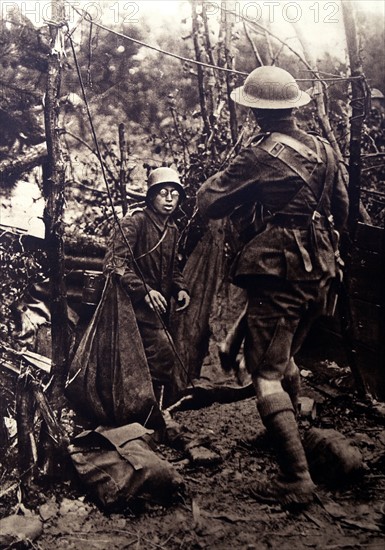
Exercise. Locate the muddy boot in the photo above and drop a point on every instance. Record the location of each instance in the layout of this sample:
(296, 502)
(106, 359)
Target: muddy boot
(294, 485)
(291, 384)
(260, 441)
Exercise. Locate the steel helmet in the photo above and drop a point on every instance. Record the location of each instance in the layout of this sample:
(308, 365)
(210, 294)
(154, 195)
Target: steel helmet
(376, 94)
(270, 87)
(162, 176)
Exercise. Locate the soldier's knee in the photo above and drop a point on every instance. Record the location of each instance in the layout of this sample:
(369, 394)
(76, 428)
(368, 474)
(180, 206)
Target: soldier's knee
(264, 387)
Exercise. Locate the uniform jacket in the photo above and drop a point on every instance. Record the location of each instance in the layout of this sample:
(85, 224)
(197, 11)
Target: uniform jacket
(255, 177)
(143, 230)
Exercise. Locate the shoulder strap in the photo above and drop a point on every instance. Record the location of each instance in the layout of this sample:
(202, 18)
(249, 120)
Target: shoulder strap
(298, 146)
(281, 146)
(155, 246)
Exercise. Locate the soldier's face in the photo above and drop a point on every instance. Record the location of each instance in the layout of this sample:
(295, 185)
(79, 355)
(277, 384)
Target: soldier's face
(166, 200)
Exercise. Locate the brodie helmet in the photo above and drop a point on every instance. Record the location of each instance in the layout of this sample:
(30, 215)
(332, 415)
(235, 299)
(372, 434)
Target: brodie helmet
(376, 94)
(162, 176)
(270, 87)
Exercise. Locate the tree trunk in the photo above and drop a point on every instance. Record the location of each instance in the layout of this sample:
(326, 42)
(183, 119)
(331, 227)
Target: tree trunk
(359, 100)
(198, 57)
(53, 188)
(11, 169)
(122, 172)
(25, 412)
(229, 60)
(323, 116)
(253, 46)
(319, 93)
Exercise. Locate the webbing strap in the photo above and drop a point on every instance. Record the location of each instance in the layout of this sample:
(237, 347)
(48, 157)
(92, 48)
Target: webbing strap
(298, 146)
(281, 146)
(154, 247)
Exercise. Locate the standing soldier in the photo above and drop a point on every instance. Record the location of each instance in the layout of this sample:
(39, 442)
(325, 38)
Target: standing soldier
(143, 257)
(286, 195)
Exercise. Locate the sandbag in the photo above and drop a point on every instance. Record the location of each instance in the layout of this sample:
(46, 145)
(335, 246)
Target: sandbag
(332, 457)
(109, 381)
(119, 465)
(190, 327)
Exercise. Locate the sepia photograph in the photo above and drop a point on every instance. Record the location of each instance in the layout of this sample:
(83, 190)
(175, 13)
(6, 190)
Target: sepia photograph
(192, 248)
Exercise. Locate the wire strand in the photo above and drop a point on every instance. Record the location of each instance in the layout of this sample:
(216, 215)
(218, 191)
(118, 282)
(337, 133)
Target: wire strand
(87, 17)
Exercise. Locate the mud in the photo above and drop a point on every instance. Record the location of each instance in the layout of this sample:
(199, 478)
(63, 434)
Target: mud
(215, 511)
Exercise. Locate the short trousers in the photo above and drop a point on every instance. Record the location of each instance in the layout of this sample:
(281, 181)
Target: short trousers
(279, 316)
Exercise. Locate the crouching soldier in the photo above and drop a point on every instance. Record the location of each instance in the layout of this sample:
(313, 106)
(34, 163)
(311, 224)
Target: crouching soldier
(143, 256)
(286, 193)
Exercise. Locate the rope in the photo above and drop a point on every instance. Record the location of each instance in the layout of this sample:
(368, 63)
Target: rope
(115, 215)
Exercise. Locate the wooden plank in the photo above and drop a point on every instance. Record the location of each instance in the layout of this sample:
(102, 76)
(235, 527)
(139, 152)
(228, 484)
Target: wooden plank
(83, 263)
(369, 237)
(366, 320)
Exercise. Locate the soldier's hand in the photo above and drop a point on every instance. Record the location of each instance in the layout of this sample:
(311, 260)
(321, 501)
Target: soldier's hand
(183, 299)
(156, 301)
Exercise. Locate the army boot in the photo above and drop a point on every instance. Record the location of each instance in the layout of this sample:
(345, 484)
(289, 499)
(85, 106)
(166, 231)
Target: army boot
(291, 384)
(294, 485)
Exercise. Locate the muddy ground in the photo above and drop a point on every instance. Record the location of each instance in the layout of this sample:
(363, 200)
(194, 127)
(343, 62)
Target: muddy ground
(215, 510)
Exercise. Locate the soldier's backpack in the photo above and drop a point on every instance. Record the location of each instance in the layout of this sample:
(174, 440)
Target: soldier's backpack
(121, 465)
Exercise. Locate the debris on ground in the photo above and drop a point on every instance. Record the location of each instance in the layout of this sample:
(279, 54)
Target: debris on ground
(218, 448)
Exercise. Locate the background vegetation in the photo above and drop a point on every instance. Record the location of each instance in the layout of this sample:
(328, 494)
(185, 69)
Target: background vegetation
(174, 112)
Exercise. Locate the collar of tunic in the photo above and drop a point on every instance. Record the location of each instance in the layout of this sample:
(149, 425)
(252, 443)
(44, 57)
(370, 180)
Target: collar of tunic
(159, 221)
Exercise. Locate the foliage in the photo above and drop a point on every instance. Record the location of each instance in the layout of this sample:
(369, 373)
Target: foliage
(23, 52)
(20, 267)
(174, 112)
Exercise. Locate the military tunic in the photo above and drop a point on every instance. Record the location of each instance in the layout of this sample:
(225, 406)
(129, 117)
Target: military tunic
(289, 260)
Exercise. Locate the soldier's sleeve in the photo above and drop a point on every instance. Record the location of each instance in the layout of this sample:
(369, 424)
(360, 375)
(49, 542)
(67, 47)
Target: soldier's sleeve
(178, 281)
(119, 257)
(340, 200)
(222, 192)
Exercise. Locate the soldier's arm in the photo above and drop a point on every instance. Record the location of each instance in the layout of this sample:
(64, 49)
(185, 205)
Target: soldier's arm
(178, 281)
(119, 257)
(226, 190)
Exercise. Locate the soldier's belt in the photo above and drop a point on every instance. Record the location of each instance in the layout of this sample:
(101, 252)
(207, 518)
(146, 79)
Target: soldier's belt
(299, 221)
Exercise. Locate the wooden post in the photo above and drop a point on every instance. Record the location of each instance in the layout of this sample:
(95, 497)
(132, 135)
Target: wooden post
(229, 60)
(358, 112)
(200, 71)
(53, 188)
(319, 93)
(347, 303)
(382, 316)
(25, 412)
